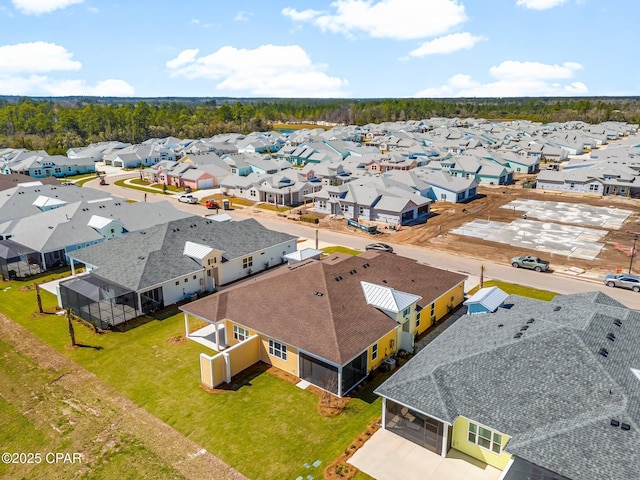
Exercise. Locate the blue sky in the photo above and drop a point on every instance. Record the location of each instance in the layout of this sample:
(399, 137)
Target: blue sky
(340, 48)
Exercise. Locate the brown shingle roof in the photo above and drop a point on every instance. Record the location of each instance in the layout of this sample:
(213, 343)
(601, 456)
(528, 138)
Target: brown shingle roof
(306, 307)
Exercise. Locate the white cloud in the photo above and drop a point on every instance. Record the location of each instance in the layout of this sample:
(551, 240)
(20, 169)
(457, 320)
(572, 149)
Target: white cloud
(514, 79)
(41, 85)
(243, 16)
(269, 70)
(184, 58)
(37, 7)
(539, 4)
(36, 57)
(447, 44)
(513, 70)
(394, 19)
(22, 66)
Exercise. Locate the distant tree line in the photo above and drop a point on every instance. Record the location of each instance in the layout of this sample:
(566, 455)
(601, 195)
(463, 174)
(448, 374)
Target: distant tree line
(58, 124)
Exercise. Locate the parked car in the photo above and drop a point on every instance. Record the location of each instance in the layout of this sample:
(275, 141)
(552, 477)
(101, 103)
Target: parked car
(381, 247)
(187, 199)
(623, 280)
(530, 262)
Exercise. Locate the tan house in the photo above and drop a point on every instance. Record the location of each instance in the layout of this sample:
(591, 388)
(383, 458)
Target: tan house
(328, 322)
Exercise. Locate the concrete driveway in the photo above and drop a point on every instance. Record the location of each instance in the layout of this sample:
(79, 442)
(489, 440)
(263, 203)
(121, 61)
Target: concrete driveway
(387, 456)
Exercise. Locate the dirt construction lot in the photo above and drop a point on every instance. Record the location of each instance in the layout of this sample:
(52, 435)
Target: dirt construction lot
(436, 233)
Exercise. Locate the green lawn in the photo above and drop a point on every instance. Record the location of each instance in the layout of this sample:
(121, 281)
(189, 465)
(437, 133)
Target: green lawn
(339, 249)
(514, 289)
(265, 428)
(272, 207)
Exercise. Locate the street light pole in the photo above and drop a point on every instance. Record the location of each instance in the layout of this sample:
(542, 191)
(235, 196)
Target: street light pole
(633, 252)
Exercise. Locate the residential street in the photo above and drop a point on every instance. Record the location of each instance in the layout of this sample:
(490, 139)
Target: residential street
(556, 282)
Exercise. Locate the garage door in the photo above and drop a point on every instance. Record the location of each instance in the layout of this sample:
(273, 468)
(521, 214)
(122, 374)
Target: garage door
(205, 183)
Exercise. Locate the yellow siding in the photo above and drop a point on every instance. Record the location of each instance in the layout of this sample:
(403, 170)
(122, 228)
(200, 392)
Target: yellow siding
(387, 346)
(219, 370)
(228, 332)
(205, 371)
(243, 355)
(289, 365)
(460, 442)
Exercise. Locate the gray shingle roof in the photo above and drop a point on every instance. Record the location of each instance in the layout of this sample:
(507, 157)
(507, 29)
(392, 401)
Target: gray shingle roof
(550, 389)
(154, 255)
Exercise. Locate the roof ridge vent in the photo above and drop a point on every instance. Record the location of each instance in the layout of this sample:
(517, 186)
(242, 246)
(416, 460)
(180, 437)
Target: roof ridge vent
(617, 322)
(338, 278)
(604, 352)
(351, 272)
(615, 423)
(318, 294)
(557, 309)
(530, 321)
(518, 335)
(611, 336)
(625, 426)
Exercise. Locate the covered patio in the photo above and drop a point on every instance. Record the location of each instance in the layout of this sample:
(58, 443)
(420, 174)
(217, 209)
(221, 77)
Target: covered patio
(387, 456)
(211, 335)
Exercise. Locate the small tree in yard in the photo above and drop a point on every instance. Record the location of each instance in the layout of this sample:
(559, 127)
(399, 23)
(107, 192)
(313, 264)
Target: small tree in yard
(72, 332)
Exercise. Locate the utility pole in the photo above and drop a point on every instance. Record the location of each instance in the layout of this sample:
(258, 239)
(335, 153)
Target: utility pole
(481, 276)
(38, 298)
(633, 252)
(72, 332)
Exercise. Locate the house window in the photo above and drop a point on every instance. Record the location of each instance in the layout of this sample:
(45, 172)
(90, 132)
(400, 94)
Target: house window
(374, 351)
(194, 277)
(240, 334)
(277, 349)
(252, 193)
(593, 187)
(433, 310)
(344, 208)
(37, 172)
(247, 262)
(322, 204)
(406, 311)
(418, 319)
(360, 210)
(572, 185)
(57, 170)
(177, 282)
(485, 438)
(186, 280)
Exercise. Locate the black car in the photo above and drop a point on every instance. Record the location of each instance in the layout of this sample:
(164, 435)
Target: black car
(381, 247)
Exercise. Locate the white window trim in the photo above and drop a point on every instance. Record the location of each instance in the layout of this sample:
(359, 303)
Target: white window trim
(374, 351)
(492, 441)
(240, 333)
(277, 349)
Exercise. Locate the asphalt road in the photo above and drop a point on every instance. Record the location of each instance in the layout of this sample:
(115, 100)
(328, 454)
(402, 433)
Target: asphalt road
(556, 282)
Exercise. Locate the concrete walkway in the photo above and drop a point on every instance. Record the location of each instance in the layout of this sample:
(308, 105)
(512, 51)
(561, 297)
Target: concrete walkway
(387, 456)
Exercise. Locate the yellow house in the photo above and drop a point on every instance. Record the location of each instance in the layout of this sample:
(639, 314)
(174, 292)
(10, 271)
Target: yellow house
(329, 322)
(536, 389)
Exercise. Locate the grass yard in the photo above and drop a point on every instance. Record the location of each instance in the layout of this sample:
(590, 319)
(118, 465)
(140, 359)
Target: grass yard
(513, 289)
(339, 249)
(44, 418)
(266, 428)
(272, 207)
(148, 188)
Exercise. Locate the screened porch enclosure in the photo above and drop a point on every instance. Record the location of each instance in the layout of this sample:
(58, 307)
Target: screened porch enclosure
(99, 302)
(338, 381)
(18, 261)
(414, 426)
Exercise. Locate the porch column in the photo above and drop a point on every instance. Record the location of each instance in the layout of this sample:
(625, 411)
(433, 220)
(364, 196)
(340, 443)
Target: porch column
(186, 324)
(445, 433)
(384, 412)
(139, 302)
(73, 267)
(340, 382)
(217, 336)
(44, 262)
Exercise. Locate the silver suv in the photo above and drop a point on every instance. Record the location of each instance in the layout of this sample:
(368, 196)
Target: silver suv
(623, 280)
